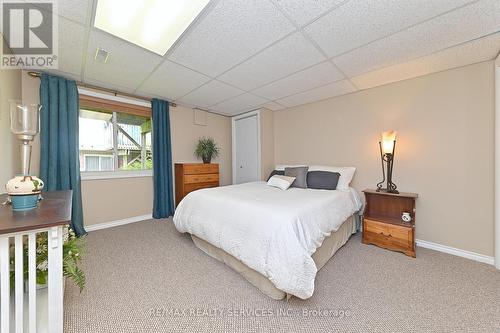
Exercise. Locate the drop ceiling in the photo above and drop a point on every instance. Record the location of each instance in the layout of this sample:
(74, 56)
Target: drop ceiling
(240, 55)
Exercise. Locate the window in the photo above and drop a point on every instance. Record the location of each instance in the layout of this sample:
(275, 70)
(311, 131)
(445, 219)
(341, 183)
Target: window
(98, 163)
(113, 137)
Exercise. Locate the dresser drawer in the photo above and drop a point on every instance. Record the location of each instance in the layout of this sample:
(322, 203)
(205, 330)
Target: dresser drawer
(197, 169)
(201, 178)
(188, 188)
(190, 177)
(388, 235)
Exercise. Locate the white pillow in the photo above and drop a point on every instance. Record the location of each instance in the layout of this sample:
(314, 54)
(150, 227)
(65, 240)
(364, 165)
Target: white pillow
(346, 174)
(282, 182)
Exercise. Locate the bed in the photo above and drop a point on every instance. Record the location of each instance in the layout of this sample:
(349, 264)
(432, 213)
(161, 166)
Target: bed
(276, 239)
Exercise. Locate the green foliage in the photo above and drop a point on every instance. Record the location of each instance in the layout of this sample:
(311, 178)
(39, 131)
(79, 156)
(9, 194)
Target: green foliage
(137, 165)
(206, 148)
(72, 254)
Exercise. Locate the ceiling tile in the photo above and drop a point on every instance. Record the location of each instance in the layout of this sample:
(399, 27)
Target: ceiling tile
(242, 103)
(478, 50)
(273, 106)
(313, 77)
(286, 57)
(230, 33)
(128, 65)
(482, 18)
(304, 11)
(359, 21)
(75, 10)
(71, 39)
(331, 90)
(210, 94)
(172, 81)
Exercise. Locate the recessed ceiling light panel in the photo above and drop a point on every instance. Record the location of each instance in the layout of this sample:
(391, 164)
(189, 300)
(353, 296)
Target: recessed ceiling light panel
(152, 24)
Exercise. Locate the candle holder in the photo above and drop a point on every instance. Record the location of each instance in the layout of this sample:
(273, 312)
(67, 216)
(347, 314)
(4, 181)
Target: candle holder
(24, 190)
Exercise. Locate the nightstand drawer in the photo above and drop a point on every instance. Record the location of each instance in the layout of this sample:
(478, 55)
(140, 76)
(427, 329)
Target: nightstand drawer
(389, 236)
(386, 229)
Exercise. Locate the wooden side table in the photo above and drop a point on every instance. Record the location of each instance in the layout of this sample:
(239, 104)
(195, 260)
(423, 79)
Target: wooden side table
(383, 224)
(18, 230)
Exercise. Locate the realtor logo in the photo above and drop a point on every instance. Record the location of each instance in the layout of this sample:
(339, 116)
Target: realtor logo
(29, 35)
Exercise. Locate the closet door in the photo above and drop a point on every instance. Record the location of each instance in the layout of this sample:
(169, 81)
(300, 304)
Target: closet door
(246, 149)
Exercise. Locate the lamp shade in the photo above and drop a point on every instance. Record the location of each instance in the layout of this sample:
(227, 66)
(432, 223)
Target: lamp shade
(388, 139)
(24, 118)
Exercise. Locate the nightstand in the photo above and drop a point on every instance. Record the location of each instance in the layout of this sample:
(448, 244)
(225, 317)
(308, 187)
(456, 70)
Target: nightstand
(383, 224)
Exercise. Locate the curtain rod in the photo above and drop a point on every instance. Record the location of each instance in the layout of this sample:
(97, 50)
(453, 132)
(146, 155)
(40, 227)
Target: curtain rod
(84, 85)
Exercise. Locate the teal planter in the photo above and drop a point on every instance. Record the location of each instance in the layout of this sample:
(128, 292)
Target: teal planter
(24, 202)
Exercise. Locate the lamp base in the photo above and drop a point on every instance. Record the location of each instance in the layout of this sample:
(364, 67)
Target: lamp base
(384, 190)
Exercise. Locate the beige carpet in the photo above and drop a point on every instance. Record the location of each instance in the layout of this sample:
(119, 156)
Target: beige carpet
(146, 277)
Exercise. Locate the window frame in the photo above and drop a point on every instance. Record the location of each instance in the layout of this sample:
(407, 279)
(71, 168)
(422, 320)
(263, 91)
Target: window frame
(98, 101)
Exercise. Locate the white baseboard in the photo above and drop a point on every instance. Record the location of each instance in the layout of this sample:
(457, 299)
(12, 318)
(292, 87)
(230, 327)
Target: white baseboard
(457, 252)
(110, 224)
(421, 243)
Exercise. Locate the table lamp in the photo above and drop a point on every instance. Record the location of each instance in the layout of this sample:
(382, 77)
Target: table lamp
(387, 146)
(24, 190)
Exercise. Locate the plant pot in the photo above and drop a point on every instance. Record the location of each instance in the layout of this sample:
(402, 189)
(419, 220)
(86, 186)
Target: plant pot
(207, 160)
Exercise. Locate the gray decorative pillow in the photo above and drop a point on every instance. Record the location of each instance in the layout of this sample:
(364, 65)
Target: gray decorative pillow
(322, 180)
(276, 172)
(300, 174)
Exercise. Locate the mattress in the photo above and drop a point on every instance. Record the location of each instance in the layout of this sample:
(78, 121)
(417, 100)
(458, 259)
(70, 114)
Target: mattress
(328, 248)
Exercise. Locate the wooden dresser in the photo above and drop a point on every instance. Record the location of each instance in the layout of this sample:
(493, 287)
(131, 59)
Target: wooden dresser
(383, 224)
(194, 176)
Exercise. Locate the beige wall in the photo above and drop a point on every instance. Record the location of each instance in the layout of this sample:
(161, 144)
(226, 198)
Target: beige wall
(107, 200)
(185, 135)
(10, 89)
(267, 142)
(444, 152)
(115, 199)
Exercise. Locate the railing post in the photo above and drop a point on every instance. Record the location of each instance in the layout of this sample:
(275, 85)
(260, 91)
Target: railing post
(19, 282)
(4, 284)
(55, 282)
(32, 281)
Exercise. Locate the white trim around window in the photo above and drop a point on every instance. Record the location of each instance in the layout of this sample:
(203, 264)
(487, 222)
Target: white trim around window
(98, 175)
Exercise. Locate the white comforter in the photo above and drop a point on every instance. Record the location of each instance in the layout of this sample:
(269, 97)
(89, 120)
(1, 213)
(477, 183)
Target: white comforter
(275, 232)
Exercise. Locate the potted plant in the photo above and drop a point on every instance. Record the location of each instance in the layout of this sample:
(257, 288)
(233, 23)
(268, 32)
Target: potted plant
(72, 254)
(206, 148)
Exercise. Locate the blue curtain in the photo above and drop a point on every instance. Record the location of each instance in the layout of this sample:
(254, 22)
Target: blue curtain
(163, 203)
(59, 160)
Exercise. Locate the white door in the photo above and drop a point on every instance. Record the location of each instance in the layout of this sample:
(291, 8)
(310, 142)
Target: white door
(246, 149)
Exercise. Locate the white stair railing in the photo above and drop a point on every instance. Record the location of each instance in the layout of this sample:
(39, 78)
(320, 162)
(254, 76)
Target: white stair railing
(13, 314)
